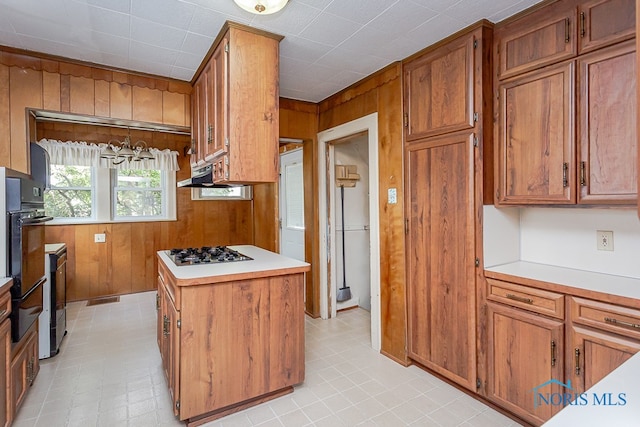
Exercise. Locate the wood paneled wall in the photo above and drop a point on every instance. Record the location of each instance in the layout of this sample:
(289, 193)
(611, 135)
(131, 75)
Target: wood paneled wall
(126, 262)
(382, 93)
(28, 81)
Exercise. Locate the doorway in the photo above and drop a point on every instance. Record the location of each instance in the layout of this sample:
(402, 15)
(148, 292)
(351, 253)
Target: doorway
(355, 141)
(291, 197)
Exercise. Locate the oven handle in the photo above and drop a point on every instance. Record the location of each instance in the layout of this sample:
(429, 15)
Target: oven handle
(37, 220)
(33, 289)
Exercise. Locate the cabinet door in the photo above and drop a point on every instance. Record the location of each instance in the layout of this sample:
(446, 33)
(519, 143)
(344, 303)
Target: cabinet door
(536, 135)
(160, 315)
(593, 354)
(607, 125)
(198, 113)
(173, 354)
(218, 104)
(24, 368)
(6, 415)
(541, 38)
(604, 22)
(441, 256)
(439, 91)
(525, 361)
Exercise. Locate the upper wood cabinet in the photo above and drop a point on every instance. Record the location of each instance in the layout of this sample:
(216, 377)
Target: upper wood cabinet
(438, 90)
(607, 126)
(604, 22)
(565, 129)
(561, 31)
(238, 106)
(535, 137)
(543, 37)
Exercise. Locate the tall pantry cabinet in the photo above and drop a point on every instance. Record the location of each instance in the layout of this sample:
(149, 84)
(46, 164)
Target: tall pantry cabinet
(447, 123)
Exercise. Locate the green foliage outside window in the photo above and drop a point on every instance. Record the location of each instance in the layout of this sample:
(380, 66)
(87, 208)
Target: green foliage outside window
(138, 193)
(70, 193)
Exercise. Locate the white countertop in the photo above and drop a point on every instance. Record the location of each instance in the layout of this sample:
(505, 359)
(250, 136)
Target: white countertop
(51, 248)
(263, 260)
(605, 283)
(624, 382)
(4, 281)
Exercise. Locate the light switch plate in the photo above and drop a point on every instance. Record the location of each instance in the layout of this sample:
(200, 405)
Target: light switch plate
(100, 238)
(392, 196)
(604, 240)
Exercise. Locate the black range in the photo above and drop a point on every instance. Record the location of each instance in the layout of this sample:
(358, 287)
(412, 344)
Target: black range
(206, 255)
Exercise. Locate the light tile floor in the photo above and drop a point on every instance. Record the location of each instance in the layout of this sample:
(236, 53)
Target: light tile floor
(108, 373)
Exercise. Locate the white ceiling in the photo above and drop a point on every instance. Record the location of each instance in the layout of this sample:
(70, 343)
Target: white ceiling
(328, 44)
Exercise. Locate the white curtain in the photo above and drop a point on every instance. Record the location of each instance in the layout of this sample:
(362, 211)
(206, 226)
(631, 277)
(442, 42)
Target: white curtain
(80, 153)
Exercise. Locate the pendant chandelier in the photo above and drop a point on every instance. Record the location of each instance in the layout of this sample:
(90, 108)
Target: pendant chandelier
(119, 151)
(261, 7)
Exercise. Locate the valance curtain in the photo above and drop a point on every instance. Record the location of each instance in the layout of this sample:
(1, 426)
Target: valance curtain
(80, 153)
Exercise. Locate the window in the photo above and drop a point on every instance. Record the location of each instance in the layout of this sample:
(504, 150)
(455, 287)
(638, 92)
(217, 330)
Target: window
(229, 193)
(89, 194)
(71, 193)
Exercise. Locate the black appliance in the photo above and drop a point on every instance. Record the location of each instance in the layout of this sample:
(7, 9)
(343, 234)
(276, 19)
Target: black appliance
(25, 250)
(53, 319)
(206, 255)
(40, 165)
(203, 178)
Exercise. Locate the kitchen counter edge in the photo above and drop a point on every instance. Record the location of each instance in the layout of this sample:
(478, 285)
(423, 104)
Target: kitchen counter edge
(264, 264)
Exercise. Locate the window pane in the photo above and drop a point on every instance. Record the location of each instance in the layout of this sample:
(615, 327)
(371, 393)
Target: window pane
(70, 195)
(138, 193)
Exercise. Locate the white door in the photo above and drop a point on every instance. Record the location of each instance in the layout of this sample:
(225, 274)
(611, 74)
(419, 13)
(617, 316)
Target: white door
(291, 205)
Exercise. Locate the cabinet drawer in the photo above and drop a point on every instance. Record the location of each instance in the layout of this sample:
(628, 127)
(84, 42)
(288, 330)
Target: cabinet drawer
(525, 297)
(169, 282)
(5, 306)
(609, 317)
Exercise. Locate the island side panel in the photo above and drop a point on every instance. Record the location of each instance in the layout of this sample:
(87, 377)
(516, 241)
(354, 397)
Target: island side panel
(229, 333)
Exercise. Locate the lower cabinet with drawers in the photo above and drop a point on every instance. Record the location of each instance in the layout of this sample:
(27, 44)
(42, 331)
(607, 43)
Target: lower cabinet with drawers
(546, 347)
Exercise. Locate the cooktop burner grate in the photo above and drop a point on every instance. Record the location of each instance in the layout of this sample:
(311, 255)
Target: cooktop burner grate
(206, 255)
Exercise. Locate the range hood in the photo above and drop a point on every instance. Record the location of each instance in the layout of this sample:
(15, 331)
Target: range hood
(202, 178)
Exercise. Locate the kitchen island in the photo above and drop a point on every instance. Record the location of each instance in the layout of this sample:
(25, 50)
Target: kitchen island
(231, 335)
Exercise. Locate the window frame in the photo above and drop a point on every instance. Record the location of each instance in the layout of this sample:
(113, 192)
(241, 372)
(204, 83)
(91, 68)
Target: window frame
(247, 194)
(103, 192)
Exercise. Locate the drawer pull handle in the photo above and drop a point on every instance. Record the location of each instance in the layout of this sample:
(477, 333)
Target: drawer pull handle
(621, 323)
(520, 299)
(577, 361)
(582, 26)
(583, 178)
(567, 30)
(565, 180)
(553, 353)
(3, 312)
(165, 326)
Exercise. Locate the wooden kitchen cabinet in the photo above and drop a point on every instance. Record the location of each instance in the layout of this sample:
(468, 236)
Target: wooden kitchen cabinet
(607, 126)
(601, 337)
(447, 140)
(525, 351)
(6, 404)
(441, 256)
(438, 94)
(198, 116)
(230, 344)
(536, 137)
(237, 103)
(540, 38)
(24, 366)
(605, 22)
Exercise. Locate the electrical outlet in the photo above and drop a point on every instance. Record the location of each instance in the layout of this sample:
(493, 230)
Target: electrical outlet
(392, 196)
(100, 238)
(604, 240)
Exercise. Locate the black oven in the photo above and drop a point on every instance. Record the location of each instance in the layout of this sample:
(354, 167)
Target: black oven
(25, 251)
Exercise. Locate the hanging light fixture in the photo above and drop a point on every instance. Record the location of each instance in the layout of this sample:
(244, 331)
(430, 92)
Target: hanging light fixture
(119, 151)
(261, 7)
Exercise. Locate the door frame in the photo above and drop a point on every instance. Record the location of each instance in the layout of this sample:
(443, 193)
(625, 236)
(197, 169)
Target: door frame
(326, 200)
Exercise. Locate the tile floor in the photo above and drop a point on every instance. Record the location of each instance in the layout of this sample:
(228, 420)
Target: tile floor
(108, 373)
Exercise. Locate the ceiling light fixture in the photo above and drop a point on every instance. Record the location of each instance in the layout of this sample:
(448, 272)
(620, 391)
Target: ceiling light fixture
(261, 7)
(126, 151)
